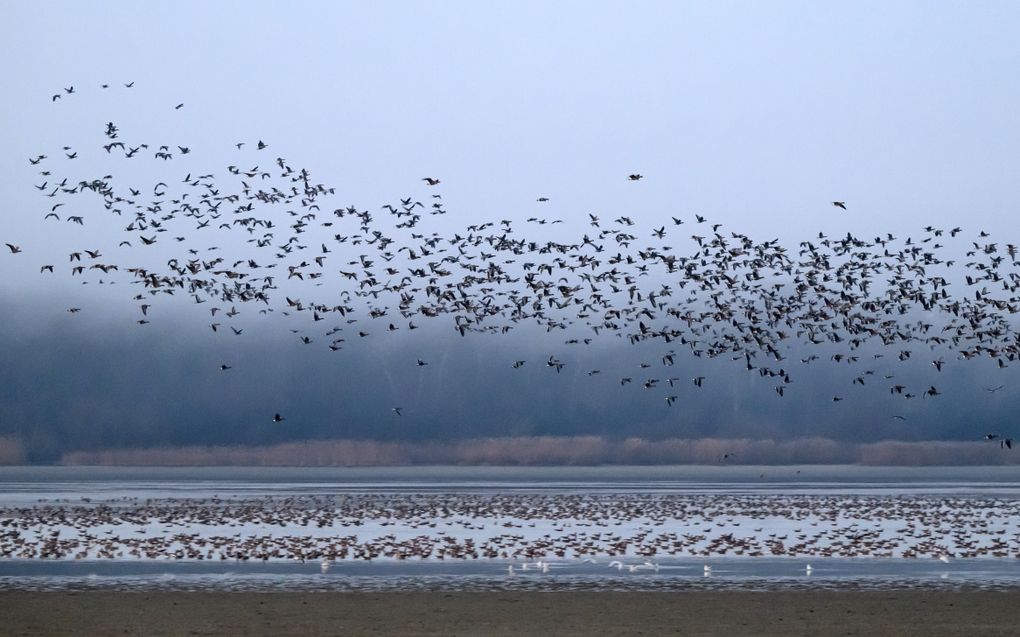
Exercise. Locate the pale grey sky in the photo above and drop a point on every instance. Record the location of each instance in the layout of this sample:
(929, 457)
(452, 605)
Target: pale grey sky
(755, 114)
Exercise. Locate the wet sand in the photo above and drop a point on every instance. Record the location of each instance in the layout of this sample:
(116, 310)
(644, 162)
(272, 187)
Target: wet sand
(907, 612)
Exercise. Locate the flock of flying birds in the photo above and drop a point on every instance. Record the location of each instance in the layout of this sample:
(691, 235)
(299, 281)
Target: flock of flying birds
(350, 275)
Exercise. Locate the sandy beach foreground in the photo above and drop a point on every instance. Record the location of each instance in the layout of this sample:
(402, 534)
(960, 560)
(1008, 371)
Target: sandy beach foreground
(907, 612)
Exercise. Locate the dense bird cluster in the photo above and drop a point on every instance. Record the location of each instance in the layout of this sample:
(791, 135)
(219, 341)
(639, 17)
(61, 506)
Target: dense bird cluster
(515, 526)
(261, 236)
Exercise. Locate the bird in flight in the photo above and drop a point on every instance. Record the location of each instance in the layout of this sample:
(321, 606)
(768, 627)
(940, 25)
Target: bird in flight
(563, 283)
(278, 418)
(13, 248)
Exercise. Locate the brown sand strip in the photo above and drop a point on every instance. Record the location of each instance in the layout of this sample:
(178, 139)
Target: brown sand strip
(872, 613)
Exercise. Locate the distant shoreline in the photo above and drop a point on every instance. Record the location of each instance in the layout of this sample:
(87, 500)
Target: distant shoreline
(549, 451)
(513, 472)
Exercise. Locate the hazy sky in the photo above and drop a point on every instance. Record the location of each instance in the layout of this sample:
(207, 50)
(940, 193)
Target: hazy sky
(756, 115)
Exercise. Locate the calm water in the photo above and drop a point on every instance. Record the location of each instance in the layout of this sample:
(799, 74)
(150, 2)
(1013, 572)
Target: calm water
(26, 486)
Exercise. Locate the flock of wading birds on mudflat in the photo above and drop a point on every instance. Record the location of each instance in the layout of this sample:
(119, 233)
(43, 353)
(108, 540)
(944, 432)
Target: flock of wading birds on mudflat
(350, 276)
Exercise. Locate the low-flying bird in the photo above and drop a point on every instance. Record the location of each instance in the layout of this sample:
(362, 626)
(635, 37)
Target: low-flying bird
(278, 418)
(839, 204)
(224, 367)
(397, 411)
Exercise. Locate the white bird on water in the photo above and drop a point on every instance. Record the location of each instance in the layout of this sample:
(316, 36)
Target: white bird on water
(808, 570)
(540, 565)
(708, 570)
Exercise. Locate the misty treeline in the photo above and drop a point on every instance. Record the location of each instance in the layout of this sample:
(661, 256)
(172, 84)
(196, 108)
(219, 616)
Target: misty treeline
(12, 451)
(557, 451)
(90, 384)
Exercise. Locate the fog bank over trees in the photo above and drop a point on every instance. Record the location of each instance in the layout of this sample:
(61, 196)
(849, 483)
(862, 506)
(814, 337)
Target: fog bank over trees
(84, 384)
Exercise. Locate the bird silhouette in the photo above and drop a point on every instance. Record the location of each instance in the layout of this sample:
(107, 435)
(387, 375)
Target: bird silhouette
(264, 234)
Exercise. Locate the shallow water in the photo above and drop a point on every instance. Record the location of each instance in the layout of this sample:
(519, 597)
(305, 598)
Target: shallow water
(970, 494)
(493, 575)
